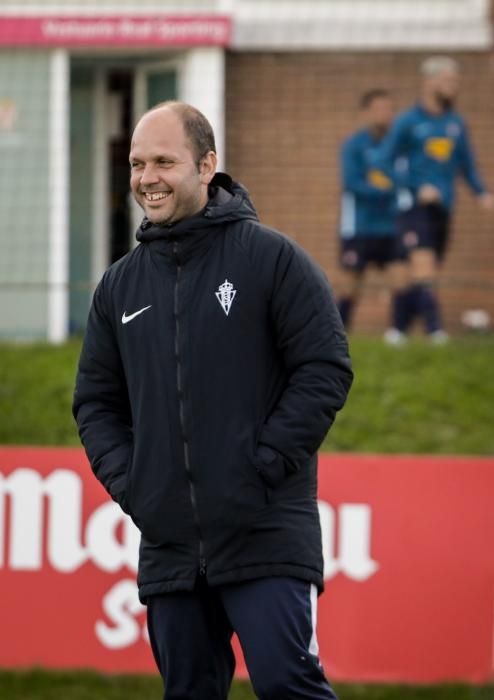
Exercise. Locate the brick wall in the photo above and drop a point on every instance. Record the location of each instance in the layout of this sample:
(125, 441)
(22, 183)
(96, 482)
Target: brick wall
(287, 115)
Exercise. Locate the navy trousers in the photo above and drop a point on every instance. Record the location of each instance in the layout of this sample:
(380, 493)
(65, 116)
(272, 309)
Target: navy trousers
(274, 619)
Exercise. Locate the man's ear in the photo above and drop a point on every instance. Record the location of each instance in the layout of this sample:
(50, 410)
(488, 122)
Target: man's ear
(207, 167)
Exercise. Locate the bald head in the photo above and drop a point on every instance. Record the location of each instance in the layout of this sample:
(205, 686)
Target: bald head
(197, 129)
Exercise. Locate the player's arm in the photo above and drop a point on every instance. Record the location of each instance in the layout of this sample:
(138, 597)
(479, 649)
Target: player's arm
(395, 145)
(310, 337)
(355, 175)
(101, 404)
(467, 164)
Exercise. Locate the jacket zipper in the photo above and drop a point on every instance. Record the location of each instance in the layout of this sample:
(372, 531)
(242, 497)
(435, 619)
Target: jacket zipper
(192, 488)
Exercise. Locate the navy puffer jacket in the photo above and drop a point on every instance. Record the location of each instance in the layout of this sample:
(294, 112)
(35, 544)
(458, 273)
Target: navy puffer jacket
(213, 365)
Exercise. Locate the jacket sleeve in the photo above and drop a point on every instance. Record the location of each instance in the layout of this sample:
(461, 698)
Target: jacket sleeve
(101, 405)
(311, 340)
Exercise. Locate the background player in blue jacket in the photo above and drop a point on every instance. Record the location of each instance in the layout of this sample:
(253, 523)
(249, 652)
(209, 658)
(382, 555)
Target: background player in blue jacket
(433, 138)
(369, 209)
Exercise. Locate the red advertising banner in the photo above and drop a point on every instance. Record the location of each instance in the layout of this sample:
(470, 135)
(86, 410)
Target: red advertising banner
(409, 568)
(107, 31)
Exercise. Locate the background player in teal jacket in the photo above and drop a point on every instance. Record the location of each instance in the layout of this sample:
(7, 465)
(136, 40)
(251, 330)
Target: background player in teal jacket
(368, 213)
(433, 138)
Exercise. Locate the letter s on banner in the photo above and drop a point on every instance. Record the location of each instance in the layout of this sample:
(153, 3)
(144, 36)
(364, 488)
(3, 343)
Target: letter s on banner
(120, 604)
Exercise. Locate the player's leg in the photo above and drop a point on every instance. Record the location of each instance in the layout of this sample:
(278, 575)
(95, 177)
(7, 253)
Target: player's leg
(398, 280)
(442, 226)
(390, 255)
(439, 226)
(424, 276)
(350, 279)
(350, 283)
(190, 638)
(274, 619)
(422, 245)
(403, 307)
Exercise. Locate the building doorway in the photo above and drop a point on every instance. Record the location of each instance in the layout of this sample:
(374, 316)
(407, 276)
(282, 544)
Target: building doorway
(106, 98)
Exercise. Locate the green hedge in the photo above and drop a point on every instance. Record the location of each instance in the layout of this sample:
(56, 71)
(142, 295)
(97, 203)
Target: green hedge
(418, 399)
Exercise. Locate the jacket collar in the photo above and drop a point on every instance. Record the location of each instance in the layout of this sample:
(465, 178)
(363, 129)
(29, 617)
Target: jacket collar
(228, 201)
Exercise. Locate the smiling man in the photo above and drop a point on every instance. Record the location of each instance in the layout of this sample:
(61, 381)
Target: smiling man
(213, 365)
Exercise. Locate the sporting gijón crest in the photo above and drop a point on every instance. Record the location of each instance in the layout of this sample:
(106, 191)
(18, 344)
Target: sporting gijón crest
(226, 295)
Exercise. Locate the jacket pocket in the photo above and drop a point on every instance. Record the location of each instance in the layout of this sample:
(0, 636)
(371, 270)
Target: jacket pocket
(118, 488)
(127, 504)
(242, 497)
(270, 465)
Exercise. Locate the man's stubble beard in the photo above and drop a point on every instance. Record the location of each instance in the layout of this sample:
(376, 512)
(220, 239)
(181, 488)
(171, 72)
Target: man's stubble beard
(445, 102)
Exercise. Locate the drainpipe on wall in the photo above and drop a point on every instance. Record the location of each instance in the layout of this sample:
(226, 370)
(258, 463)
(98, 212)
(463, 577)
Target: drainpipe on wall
(207, 95)
(58, 263)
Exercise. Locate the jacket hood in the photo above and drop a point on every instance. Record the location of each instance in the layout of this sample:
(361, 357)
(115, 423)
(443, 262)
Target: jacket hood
(228, 201)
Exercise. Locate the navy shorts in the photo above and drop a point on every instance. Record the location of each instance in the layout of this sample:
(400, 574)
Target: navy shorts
(425, 226)
(360, 251)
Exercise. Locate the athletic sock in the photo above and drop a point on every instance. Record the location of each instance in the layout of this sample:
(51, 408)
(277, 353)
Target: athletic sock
(345, 307)
(427, 306)
(402, 309)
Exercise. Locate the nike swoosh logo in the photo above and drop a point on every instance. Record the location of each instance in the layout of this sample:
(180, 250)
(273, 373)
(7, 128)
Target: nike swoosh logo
(126, 319)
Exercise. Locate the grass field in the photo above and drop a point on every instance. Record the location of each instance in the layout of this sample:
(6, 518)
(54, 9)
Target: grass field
(419, 399)
(39, 685)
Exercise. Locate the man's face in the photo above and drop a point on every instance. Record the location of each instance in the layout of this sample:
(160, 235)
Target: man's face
(445, 87)
(164, 177)
(379, 114)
